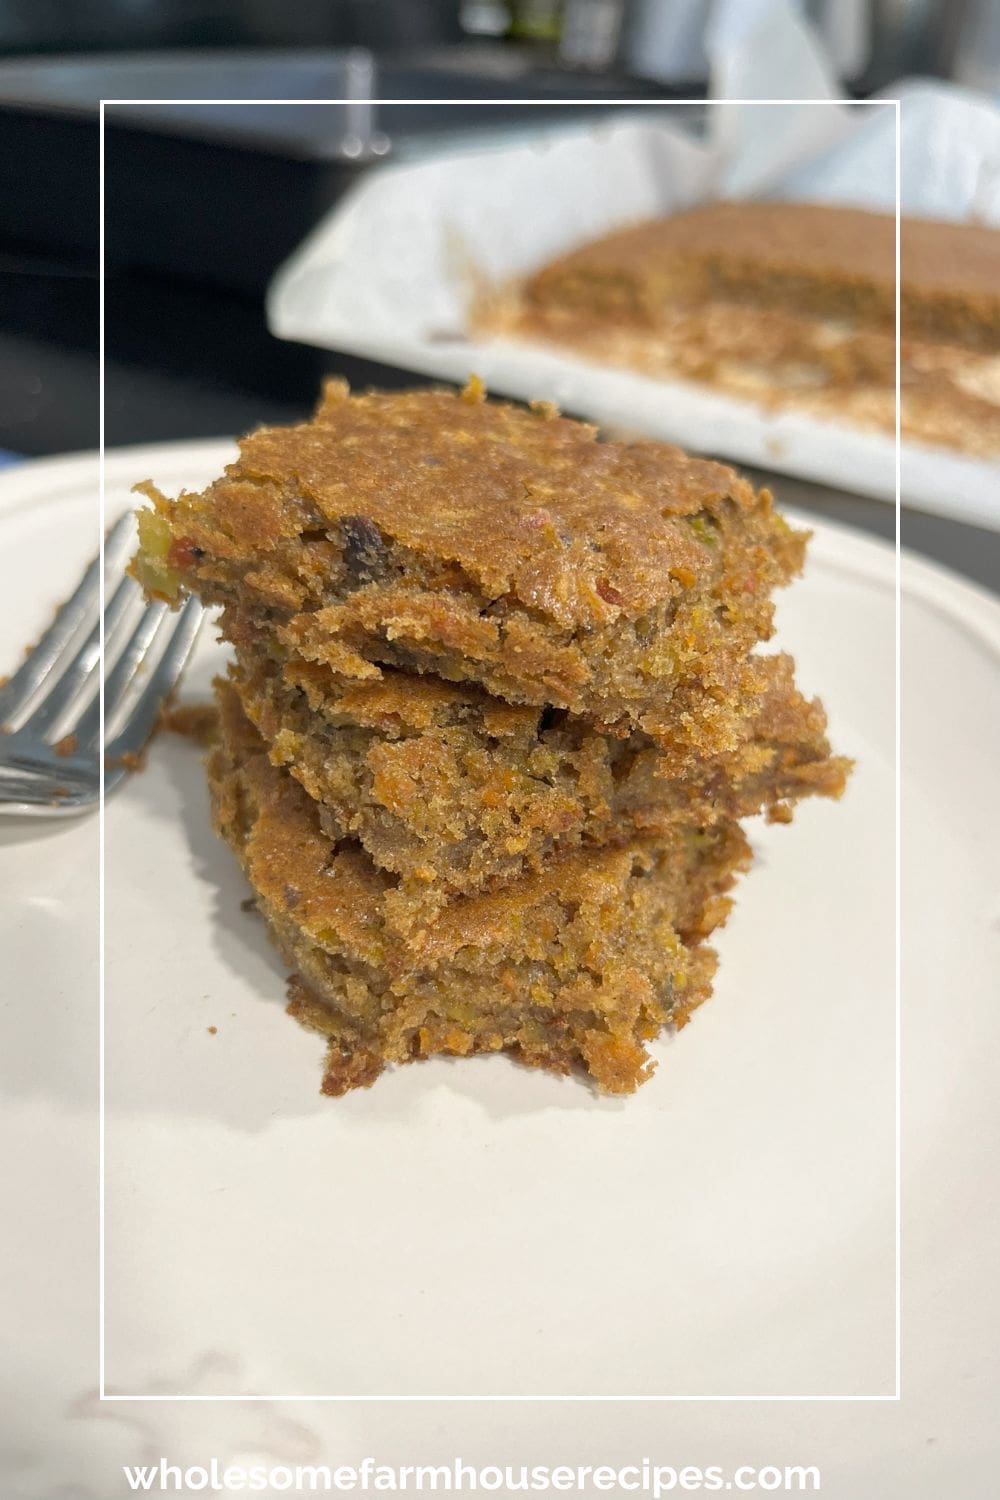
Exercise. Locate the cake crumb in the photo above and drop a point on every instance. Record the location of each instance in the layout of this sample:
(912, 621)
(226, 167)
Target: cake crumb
(131, 760)
(213, 1030)
(195, 721)
(547, 410)
(474, 390)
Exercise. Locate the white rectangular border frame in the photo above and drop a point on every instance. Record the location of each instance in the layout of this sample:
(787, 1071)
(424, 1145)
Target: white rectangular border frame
(896, 1395)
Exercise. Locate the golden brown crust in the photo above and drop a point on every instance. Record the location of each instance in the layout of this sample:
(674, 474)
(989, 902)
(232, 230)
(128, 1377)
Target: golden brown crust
(950, 281)
(525, 505)
(484, 543)
(782, 251)
(818, 258)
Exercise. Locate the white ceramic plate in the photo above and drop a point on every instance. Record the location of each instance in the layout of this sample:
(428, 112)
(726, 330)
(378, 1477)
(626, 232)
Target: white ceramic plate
(472, 1228)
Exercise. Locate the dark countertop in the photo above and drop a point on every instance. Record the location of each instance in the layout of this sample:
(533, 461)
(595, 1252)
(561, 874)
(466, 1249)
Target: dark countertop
(171, 353)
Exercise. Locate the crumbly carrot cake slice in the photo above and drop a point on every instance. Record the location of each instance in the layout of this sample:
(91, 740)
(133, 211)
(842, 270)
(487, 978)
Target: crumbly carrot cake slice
(458, 792)
(484, 543)
(576, 967)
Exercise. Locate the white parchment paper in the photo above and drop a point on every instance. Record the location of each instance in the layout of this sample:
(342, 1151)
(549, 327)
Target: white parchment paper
(388, 275)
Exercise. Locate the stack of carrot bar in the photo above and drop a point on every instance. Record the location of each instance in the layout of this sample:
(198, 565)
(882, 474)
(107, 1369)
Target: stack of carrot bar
(494, 716)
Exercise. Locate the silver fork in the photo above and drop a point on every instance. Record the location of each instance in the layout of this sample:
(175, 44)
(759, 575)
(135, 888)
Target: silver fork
(50, 712)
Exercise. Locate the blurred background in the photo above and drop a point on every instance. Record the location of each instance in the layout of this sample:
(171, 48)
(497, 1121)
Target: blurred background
(189, 250)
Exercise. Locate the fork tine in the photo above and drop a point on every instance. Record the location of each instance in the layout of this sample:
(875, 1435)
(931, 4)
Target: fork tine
(69, 618)
(75, 677)
(117, 681)
(148, 652)
(27, 792)
(142, 720)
